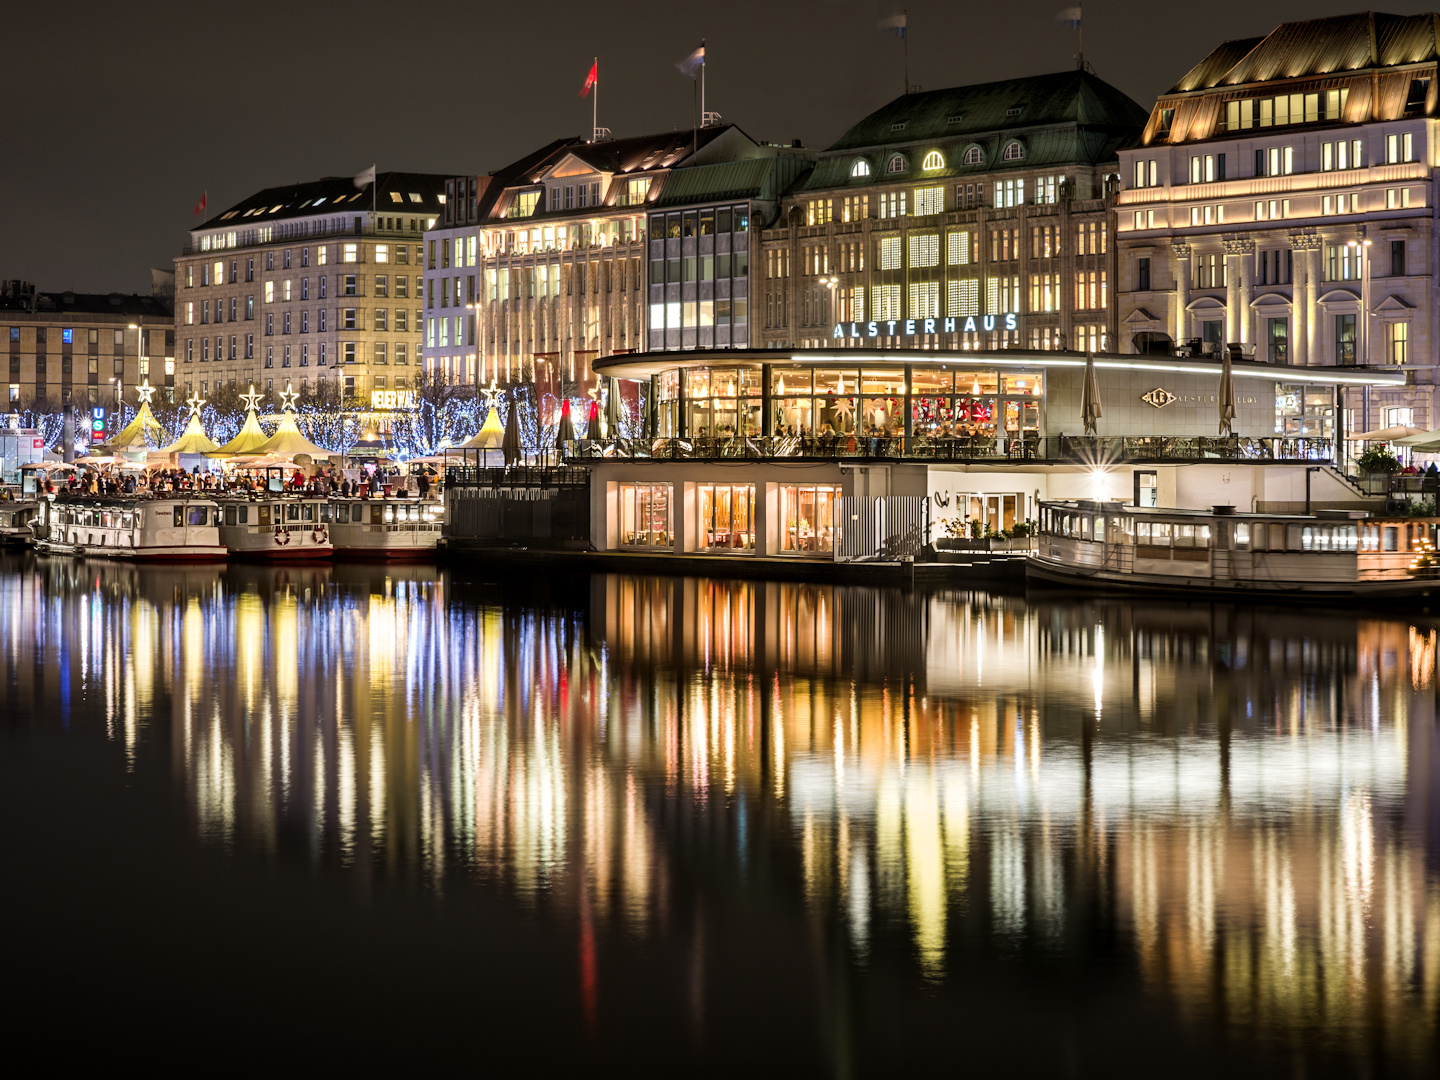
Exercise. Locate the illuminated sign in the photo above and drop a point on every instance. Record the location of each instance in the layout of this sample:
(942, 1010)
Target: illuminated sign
(910, 327)
(97, 413)
(392, 399)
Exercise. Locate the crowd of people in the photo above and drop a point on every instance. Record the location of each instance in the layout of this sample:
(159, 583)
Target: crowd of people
(326, 481)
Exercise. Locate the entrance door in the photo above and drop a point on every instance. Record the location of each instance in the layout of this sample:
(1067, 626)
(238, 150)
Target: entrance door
(1147, 489)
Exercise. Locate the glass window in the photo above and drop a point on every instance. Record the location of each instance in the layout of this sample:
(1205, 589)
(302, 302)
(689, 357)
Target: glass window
(807, 517)
(726, 517)
(645, 515)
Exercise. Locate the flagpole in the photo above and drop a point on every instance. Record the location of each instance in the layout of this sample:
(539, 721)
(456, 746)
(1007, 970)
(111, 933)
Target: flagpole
(702, 80)
(906, 40)
(1081, 31)
(595, 104)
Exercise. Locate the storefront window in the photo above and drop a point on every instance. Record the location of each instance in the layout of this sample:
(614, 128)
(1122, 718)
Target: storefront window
(723, 402)
(667, 404)
(1304, 411)
(726, 516)
(645, 516)
(807, 515)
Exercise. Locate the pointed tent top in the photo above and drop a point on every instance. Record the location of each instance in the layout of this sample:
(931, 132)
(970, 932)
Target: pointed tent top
(289, 441)
(252, 399)
(132, 437)
(193, 440)
(249, 440)
(490, 435)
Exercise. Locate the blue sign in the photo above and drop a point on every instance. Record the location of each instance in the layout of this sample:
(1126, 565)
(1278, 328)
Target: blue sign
(97, 412)
(910, 327)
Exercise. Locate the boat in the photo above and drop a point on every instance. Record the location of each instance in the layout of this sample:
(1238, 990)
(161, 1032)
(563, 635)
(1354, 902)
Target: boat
(16, 521)
(385, 528)
(176, 527)
(1328, 555)
(275, 527)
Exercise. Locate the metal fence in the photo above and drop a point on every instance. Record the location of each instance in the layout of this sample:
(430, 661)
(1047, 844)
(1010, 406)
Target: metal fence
(880, 528)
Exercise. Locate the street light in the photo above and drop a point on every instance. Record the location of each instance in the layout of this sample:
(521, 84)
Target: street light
(830, 283)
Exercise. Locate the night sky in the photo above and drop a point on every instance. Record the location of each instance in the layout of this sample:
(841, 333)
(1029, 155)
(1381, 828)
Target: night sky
(118, 117)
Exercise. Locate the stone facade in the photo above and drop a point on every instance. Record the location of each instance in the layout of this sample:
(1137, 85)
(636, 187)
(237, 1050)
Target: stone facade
(298, 285)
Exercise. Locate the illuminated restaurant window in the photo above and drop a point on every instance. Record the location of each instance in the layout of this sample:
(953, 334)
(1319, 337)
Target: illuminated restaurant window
(645, 515)
(807, 515)
(726, 517)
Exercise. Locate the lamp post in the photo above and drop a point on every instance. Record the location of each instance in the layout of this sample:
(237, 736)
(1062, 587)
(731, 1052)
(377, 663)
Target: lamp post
(830, 283)
(1362, 346)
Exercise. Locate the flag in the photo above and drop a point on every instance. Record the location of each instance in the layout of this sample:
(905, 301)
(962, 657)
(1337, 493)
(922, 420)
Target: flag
(1070, 17)
(591, 80)
(692, 64)
(200, 206)
(364, 178)
(894, 26)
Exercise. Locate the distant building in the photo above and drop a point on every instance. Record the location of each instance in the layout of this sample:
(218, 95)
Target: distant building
(969, 218)
(84, 348)
(306, 283)
(1281, 199)
(589, 249)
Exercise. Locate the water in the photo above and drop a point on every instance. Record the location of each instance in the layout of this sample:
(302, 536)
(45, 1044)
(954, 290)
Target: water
(390, 816)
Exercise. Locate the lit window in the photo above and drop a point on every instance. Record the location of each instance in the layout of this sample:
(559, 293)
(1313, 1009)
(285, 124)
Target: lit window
(924, 250)
(929, 200)
(352, 253)
(1013, 152)
(933, 160)
(382, 253)
(860, 168)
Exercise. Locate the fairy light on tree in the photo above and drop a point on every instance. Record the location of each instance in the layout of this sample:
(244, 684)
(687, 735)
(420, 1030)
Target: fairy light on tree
(443, 413)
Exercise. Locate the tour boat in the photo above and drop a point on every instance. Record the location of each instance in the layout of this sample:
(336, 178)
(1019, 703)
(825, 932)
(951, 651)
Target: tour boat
(386, 528)
(276, 527)
(180, 527)
(16, 520)
(1328, 555)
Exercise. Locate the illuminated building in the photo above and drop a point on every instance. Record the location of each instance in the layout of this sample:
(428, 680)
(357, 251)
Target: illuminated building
(984, 209)
(1280, 202)
(589, 249)
(307, 283)
(84, 347)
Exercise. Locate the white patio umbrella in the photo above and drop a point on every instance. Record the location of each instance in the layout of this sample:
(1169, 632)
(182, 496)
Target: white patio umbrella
(1227, 397)
(1389, 434)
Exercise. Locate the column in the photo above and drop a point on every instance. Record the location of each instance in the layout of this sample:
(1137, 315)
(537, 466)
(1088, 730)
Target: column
(1239, 274)
(1181, 252)
(1313, 352)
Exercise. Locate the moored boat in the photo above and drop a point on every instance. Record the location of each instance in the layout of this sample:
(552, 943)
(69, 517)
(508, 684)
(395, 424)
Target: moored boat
(274, 527)
(16, 519)
(179, 527)
(385, 528)
(1321, 556)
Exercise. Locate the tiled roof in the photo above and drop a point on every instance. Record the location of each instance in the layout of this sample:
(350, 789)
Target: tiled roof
(754, 178)
(1314, 47)
(398, 193)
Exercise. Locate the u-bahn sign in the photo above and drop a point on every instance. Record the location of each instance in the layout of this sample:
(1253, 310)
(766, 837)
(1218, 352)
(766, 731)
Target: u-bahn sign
(910, 327)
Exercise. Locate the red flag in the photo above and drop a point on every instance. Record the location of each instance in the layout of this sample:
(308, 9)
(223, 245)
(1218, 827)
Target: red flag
(591, 79)
(200, 206)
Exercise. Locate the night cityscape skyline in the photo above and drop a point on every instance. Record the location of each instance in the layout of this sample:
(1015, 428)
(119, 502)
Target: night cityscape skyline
(806, 72)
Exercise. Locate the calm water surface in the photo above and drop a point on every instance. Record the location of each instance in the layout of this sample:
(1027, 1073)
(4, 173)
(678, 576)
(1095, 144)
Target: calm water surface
(391, 817)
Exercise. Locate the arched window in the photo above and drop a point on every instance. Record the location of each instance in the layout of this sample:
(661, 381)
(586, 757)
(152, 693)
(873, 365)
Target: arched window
(1013, 152)
(973, 156)
(933, 160)
(897, 164)
(860, 168)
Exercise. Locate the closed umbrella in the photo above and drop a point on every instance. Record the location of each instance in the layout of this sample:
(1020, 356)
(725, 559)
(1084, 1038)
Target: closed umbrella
(612, 408)
(510, 444)
(1090, 411)
(565, 430)
(1227, 397)
(592, 430)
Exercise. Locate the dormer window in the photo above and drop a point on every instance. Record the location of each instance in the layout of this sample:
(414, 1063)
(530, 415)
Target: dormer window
(933, 160)
(899, 127)
(1013, 152)
(860, 168)
(896, 164)
(974, 155)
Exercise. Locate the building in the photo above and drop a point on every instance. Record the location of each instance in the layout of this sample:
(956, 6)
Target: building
(976, 217)
(589, 249)
(307, 283)
(1281, 201)
(84, 348)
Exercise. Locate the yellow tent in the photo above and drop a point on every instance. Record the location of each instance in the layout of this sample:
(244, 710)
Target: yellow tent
(192, 441)
(132, 437)
(490, 435)
(252, 436)
(288, 441)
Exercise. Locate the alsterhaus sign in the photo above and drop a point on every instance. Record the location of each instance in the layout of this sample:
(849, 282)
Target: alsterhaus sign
(910, 327)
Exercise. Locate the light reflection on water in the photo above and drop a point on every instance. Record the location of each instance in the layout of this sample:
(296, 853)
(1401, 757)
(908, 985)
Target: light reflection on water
(1246, 799)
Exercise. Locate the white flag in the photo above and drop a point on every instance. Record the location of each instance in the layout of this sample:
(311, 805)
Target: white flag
(366, 177)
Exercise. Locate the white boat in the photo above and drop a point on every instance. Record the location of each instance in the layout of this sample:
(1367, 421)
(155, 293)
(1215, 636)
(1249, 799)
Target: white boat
(1321, 556)
(178, 527)
(386, 528)
(274, 527)
(16, 522)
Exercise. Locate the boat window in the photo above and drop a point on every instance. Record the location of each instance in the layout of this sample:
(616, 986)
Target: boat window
(389, 513)
(1309, 540)
(309, 511)
(195, 515)
(262, 515)
(244, 515)
(1084, 526)
(231, 514)
(215, 517)
(1185, 536)
(1292, 538)
(1160, 533)
(1347, 538)
(1277, 537)
(1242, 534)
(325, 512)
(1392, 539)
(376, 514)
(293, 512)
(179, 516)
(1142, 532)
(342, 514)
(1202, 535)
(1100, 528)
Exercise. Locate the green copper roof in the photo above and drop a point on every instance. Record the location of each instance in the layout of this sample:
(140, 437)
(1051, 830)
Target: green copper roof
(1064, 118)
(764, 178)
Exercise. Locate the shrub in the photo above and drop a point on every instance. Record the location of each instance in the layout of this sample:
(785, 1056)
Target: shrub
(1378, 459)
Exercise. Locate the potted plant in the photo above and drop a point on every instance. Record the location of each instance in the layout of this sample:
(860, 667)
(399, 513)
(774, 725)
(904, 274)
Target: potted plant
(1378, 459)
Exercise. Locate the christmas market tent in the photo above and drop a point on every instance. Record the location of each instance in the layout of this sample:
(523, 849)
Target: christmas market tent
(288, 441)
(251, 437)
(192, 441)
(132, 438)
(490, 435)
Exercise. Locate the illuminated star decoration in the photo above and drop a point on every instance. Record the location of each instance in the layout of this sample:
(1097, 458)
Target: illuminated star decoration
(843, 408)
(491, 396)
(144, 390)
(252, 399)
(287, 399)
(196, 403)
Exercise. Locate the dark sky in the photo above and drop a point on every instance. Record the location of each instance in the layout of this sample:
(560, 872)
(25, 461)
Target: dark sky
(118, 116)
